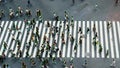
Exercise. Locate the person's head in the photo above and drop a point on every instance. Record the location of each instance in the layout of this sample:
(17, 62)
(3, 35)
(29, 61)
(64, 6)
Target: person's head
(113, 59)
(65, 11)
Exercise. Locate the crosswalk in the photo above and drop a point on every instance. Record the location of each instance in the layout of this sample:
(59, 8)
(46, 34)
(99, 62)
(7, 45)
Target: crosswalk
(108, 38)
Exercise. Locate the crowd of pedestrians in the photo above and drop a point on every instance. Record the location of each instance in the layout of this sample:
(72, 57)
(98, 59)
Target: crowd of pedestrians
(45, 44)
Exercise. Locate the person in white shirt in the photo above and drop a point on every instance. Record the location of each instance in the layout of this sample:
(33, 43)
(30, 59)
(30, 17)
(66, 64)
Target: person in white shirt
(113, 64)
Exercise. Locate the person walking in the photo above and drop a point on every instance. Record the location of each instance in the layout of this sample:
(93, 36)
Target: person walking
(66, 16)
(116, 2)
(73, 1)
(85, 64)
(100, 49)
(106, 54)
(28, 2)
(113, 63)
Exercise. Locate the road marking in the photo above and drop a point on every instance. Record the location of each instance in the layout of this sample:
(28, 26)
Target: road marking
(78, 48)
(2, 47)
(92, 46)
(83, 42)
(74, 36)
(35, 47)
(32, 45)
(97, 39)
(4, 30)
(88, 40)
(115, 39)
(101, 39)
(13, 43)
(60, 40)
(106, 37)
(10, 38)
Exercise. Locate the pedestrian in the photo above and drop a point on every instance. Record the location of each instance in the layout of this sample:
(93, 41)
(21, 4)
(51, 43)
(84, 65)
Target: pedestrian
(113, 63)
(64, 63)
(54, 14)
(80, 30)
(60, 53)
(94, 28)
(80, 40)
(38, 12)
(5, 45)
(33, 63)
(72, 20)
(48, 24)
(100, 49)
(4, 66)
(28, 2)
(7, 66)
(71, 66)
(85, 64)
(2, 14)
(40, 18)
(106, 54)
(28, 12)
(88, 29)
(13, 26)
(24, 65)
(71, 60)
(12, 53)
(62, 36)
(96, 34)
(109, 25)
(44, 38)
(66, 16)
(20, 55)
(116, 2)
(71, 38)
(75, 48)
(67, 27)
(73, 1)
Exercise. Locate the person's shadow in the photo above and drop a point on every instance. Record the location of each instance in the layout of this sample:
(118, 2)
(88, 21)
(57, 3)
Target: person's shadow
(29, 5)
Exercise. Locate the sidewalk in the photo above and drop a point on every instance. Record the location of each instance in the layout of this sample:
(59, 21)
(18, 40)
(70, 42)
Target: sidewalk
(77, 62)
(81, 10)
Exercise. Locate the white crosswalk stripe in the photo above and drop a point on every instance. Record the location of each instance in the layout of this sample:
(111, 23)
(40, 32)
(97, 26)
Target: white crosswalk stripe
(3, 44)
(88, 39)
(106, 37)
(60, 40)
(97, 40)
(1, 27)
(13, 44)
(92, 35)
(109, 39)
(111, 43)
(118, 26)
(78, 48)
(101, 39)
(33, 41)
(28, 39)
(83, 42)
(64, 45)
(74, 36)
(69, 44)
(116, 42)
(35, 49)
(47, 35)
(3, 33)
(10, 38)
